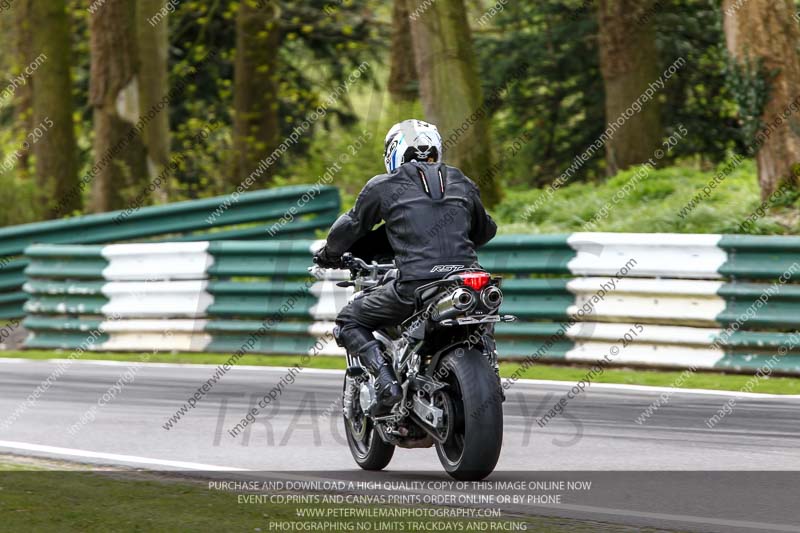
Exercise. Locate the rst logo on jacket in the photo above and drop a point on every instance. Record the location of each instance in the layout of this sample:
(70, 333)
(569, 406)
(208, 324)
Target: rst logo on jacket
(446, 268)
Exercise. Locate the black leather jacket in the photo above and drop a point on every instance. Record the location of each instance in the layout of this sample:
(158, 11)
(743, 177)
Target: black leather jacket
(434, 219)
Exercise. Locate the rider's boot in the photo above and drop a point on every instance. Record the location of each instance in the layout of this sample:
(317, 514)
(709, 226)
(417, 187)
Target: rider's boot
(387, 390)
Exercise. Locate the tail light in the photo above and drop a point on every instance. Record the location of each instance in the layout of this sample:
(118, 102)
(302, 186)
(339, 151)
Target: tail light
(475, 280)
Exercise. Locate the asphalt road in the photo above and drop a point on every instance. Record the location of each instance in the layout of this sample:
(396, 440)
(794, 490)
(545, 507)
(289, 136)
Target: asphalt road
(671, 472)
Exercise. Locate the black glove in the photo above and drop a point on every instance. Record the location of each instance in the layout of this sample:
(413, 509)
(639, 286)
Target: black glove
(323, 259)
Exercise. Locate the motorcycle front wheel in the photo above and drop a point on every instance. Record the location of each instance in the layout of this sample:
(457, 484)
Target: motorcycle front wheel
(473, 416)
(366, 446)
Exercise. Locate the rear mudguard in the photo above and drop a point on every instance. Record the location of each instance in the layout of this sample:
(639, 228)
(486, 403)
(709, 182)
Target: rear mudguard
(464, 344)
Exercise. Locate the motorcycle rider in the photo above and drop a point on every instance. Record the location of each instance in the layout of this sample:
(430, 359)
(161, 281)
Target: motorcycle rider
(434, 222)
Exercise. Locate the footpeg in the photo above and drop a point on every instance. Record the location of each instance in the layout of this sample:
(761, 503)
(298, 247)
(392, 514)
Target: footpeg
(355, 371)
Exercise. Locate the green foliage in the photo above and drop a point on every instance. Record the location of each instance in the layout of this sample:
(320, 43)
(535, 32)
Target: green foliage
(319, 51)
(698, 95)
(652, 205)
(361, 146)
(18, 194)
(750, 83)
(18, 198)
(560, 100)
(541, 81)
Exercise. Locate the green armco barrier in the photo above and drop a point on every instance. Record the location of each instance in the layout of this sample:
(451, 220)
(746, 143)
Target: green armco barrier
(271, 258)
(259, 299)
(686, 300)
(231, 298)
(298, 229)
(11, 303)
(526, 254)
(282, 213)
(760, 257)
(65, 261)
(263, 206)
(12, 275)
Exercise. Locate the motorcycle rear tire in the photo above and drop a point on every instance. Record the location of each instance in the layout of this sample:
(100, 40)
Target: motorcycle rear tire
(475, 439)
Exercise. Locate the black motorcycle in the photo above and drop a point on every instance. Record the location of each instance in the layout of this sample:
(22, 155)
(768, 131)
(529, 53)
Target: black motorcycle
(445, 360)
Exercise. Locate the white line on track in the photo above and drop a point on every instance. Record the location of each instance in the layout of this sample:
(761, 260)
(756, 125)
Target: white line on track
(609, 386)
(133, 459)
(675, 517)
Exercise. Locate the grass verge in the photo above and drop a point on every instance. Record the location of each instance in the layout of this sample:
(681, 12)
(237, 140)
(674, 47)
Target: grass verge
(656, 378)
(41, 499)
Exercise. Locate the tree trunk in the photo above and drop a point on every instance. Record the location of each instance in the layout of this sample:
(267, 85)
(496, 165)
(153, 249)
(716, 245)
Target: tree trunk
(629, 64)
(767, 30)
(450, 88)
(256, 126)
(55, 150)
(403, 73)
(23, 95)
(153, 87)
(118, 148)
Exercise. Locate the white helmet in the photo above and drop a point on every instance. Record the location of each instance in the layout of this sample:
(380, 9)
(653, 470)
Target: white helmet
(411, 140)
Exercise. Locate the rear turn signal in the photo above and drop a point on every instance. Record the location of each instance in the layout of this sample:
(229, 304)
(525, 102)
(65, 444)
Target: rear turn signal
(475, 280)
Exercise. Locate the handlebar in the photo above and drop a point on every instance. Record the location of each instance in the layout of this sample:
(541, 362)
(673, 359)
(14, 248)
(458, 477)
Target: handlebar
(357, 265)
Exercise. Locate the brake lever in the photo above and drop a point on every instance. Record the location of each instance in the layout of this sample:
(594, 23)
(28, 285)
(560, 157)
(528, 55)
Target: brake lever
(347, 260)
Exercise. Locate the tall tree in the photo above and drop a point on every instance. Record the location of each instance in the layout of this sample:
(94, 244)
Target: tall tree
(153, 86)
(629, 64)
(255, 92)
(450, 88)
(403, 73)
(118, 148)
(764, 33)
(23, 96)
(56, 150)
